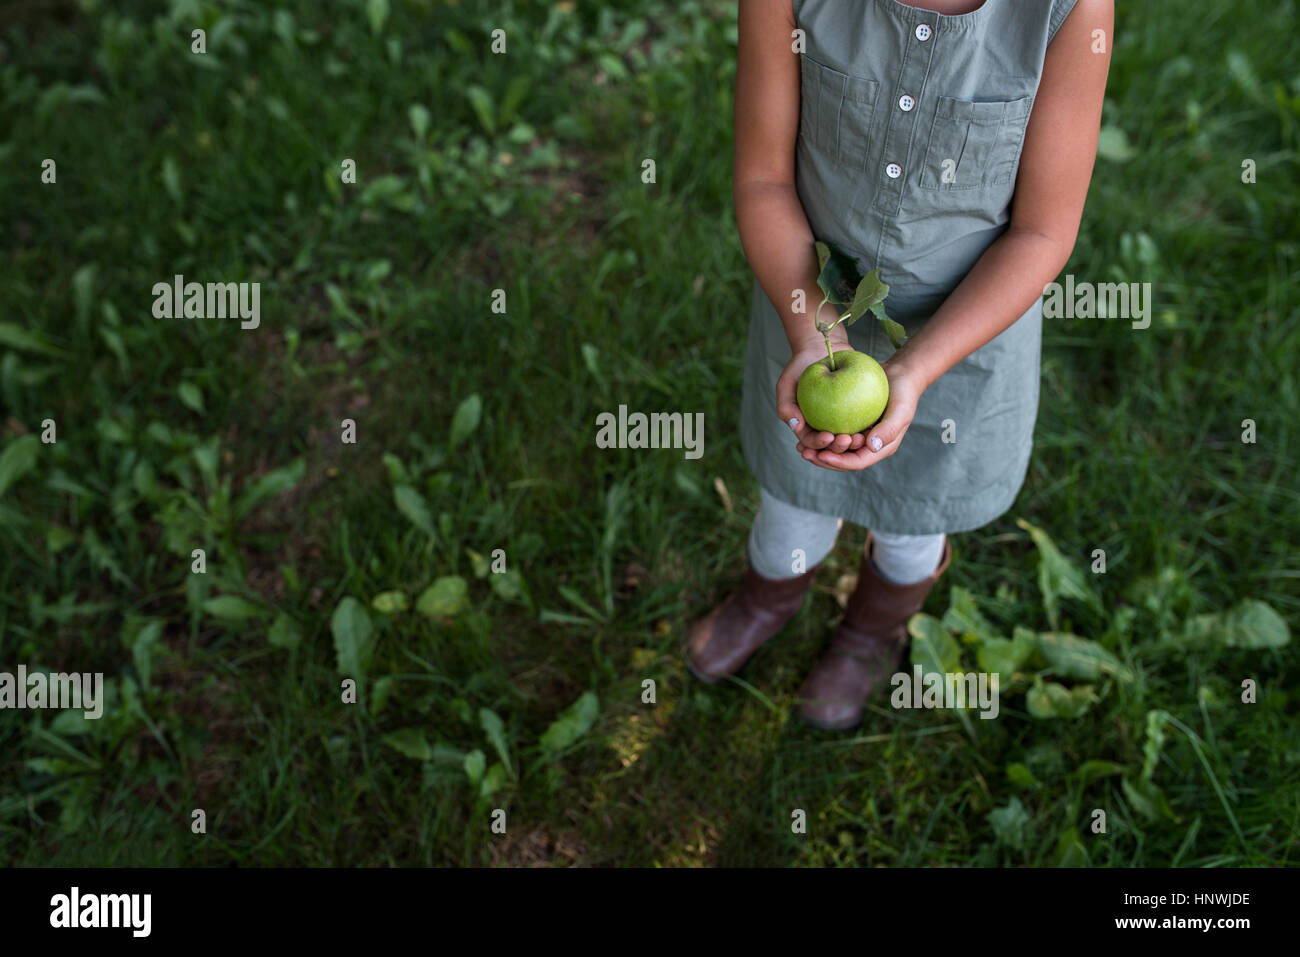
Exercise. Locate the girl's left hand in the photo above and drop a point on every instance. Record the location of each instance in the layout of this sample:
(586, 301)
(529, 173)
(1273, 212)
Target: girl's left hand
(883, 438)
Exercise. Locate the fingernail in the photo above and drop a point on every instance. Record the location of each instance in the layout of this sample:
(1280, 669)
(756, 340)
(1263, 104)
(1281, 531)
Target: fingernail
(875, 443)
(794, 425)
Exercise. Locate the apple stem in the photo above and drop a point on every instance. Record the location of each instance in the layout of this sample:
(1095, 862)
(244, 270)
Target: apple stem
(826, 333)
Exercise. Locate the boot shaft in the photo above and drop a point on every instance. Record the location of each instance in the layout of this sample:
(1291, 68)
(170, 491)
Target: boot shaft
(879, 607)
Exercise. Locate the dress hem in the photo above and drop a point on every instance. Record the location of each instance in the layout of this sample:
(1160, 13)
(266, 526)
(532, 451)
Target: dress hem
(881, 512)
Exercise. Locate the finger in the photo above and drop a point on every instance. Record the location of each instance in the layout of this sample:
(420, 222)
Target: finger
(855, 441)
(841, 443)
(786, 409)
(889, 429)
(814, 458)
(816, 440)
(830, 468)
(847, 461)
(859, 459)
(789, 413)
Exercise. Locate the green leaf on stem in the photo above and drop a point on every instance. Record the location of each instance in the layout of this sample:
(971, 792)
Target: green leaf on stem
(847, 288)
(839, 276)
(896, 333)
(871, 292)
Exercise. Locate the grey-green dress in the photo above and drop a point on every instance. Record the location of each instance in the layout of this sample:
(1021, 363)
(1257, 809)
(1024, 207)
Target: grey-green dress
(910, 135)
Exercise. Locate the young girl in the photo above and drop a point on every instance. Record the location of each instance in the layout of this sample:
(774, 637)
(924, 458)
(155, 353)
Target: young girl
(948, 143)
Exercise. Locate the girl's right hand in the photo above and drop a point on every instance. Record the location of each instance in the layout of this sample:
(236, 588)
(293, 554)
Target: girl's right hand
(787, 406)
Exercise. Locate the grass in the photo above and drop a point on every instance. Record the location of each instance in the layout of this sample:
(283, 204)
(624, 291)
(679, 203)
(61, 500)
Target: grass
(522, 173)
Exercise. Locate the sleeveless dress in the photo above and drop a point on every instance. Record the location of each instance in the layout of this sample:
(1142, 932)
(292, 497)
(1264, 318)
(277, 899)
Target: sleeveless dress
(910, 131)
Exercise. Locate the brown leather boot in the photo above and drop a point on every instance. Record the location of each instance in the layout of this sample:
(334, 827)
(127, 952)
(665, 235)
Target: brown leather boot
(720, 643)
(867, 649)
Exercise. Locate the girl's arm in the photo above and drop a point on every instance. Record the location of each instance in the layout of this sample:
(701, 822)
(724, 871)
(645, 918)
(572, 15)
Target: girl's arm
(1055, 169)
(774, 230)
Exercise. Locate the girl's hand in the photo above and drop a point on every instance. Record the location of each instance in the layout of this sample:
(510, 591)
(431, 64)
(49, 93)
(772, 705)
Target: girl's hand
(787, 406)
(882, 439)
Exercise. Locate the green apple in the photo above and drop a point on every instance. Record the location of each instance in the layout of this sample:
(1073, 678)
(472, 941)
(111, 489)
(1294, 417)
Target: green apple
(844, 400)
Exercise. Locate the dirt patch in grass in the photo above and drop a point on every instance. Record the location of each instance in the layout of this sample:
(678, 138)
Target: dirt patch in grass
(197, 706)
(320, 406)
(539, 848)
(544, 684)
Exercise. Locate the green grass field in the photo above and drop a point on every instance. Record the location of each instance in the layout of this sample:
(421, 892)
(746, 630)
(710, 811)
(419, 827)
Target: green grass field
(484, 178)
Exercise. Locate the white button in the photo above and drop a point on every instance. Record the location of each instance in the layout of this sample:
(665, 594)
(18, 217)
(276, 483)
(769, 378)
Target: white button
(893, 171)
(905, 103)
(923, 32)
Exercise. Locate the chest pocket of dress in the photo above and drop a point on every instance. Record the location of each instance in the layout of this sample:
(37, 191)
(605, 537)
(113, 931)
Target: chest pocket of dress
(835, 111)
(974, 144)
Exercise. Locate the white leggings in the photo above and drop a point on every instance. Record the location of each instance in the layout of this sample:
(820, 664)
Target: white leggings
(781, 530)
